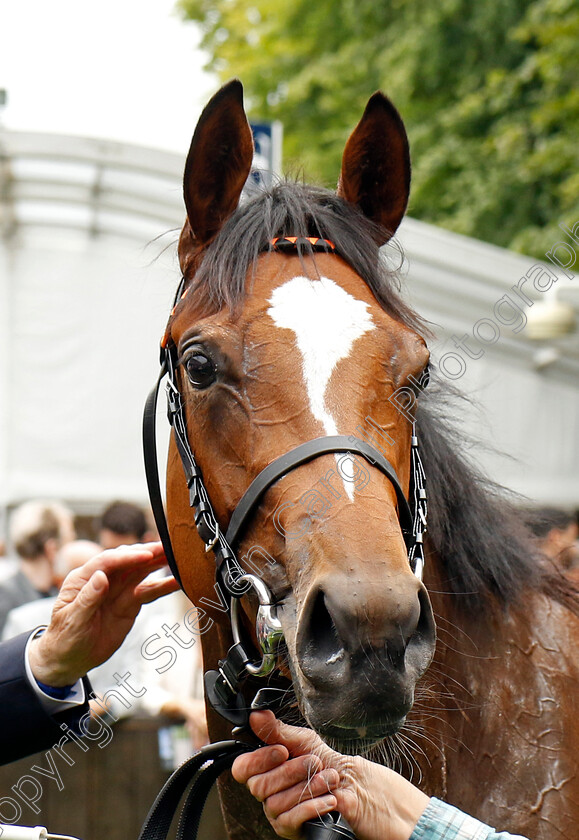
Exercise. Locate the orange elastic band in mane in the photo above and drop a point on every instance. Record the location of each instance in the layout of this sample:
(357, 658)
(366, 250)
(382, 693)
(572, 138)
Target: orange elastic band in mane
(292, 243)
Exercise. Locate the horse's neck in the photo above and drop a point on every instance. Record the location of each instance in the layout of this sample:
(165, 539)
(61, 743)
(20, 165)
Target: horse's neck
(500, 712)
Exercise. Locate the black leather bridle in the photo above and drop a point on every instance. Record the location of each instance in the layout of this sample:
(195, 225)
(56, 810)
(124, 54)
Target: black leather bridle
(235, 581)
(223, 686)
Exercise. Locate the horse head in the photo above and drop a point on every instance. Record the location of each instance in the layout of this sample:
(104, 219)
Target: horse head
(279, 341)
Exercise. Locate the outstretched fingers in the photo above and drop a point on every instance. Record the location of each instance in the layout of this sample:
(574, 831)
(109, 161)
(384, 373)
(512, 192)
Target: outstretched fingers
(123, 566)
(129, 563)
(128, 568)
(149, 591)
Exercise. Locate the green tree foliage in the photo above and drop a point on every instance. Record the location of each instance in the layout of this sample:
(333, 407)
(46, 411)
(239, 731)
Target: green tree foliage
(489, 92)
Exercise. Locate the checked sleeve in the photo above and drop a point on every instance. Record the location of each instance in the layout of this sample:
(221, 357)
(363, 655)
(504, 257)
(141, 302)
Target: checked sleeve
(441, 821)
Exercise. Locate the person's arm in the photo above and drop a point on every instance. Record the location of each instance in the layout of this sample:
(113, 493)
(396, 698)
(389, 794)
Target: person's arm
(441, 821)
(25, 725)
(298, 777)
(95, 609)
(54, 699)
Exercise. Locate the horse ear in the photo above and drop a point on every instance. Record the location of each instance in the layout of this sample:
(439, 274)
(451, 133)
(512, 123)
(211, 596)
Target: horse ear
(376, 165)
(218, 163)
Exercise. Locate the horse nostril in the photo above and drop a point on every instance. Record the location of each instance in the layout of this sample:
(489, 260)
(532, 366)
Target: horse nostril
(322, 644)
(396, 651)
(415, 632)
(343, 634)
(425, 629)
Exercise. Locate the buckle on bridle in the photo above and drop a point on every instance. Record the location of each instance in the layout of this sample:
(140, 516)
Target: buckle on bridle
(173, 399)
(212, 543)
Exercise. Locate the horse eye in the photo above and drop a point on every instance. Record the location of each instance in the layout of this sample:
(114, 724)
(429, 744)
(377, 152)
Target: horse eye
(200, 370)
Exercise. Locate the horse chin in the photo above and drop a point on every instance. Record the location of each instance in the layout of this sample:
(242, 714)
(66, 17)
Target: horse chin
(361, 740)
(350, 737)
(351, 734)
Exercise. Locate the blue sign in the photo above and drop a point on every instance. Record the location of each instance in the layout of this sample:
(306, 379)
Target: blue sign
(267, 138)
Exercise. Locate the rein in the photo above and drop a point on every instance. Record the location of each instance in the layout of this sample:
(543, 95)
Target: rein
(223, 686)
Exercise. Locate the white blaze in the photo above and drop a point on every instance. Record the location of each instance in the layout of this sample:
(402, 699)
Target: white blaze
(326, 321)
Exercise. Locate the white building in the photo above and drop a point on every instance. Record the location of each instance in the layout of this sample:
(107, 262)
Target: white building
(87, 276)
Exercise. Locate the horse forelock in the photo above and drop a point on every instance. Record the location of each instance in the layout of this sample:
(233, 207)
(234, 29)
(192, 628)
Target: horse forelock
(219, 275)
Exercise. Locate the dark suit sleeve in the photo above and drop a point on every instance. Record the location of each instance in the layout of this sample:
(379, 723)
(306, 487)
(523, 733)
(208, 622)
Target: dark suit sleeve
(25, 727)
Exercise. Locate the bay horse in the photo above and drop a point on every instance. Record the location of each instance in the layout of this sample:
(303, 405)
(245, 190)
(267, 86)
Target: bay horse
(277, 346)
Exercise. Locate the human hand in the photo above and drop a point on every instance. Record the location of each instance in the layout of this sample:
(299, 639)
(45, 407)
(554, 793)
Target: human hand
(95, 609)
(299, 778)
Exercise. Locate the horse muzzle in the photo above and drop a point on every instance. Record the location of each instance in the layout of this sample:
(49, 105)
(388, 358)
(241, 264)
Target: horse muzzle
(360, 652)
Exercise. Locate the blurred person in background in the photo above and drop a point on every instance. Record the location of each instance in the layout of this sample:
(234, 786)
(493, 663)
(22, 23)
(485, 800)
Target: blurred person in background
(557, 532)
(8, 565)
(35, 613)
(38, 530)
(123, 523)
(171, 665)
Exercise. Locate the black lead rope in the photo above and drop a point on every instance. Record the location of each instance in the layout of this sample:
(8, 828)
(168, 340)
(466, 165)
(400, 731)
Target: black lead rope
(202, 769)
(199, 774)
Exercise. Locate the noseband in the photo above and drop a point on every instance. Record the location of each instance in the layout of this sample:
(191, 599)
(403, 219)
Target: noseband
(229, 572)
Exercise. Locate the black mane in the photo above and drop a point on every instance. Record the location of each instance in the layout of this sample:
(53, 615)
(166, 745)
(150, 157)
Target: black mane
(479, 535)
(477, 529)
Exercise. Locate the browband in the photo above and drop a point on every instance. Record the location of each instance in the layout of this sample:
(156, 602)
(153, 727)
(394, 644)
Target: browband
(287, 244)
